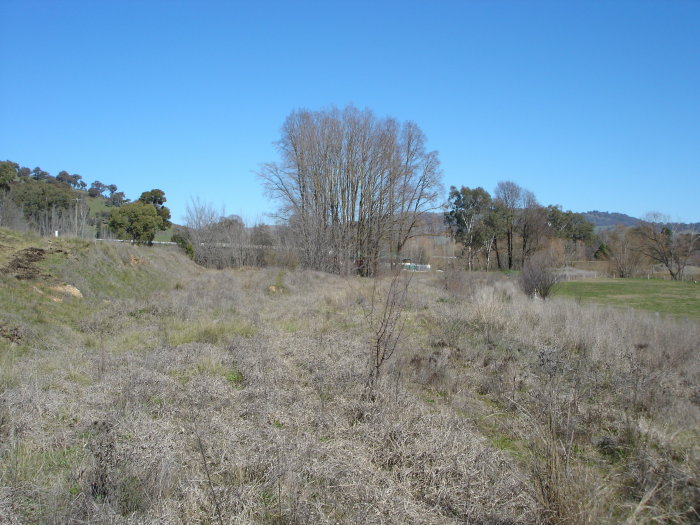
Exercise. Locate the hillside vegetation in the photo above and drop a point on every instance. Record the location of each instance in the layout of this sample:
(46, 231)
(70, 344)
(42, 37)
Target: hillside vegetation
(136, 387)
(605, 220)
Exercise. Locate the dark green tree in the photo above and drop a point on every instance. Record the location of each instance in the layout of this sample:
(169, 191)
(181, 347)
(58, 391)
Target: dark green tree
(65, 178)
(569, 225)
(465, 217)
(42, 201)
(97, 189)
(157, 198)
(137, 221)
(8, 171)
(39, 174)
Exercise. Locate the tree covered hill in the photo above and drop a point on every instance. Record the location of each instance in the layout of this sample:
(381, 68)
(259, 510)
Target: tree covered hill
(604, 220)
(35, 200)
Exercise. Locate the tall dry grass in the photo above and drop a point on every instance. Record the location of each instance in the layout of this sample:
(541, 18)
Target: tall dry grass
(237, 397)
(596, 401)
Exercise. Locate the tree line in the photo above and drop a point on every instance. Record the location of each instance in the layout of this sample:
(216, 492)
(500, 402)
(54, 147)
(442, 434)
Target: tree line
(654, 240)
(217, 240)
(514, 226)
(510, 225)
(353, 190)
(33, 199)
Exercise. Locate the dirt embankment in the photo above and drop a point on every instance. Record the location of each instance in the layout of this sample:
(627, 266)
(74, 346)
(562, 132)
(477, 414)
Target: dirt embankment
(24, 263)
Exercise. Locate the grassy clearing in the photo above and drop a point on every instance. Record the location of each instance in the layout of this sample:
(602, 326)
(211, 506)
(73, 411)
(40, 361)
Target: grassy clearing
(680, 298)
(172, 394)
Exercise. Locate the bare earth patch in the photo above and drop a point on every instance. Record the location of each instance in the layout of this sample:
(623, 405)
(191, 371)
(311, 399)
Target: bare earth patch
(23, 264)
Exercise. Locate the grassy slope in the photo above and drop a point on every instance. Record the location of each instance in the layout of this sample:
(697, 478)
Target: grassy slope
(655, 295)
(101, 272)
(170, 394)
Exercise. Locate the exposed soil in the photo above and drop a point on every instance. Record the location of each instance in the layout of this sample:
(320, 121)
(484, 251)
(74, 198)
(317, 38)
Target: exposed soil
(23, 264)
(12, 333)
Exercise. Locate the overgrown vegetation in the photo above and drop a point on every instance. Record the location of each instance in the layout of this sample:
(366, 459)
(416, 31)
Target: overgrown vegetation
(172, 393)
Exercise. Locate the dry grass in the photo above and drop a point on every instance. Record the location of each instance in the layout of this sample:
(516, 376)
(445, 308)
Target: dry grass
(212, 399)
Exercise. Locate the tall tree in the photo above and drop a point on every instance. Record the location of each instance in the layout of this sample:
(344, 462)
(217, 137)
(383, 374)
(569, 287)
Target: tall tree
(532, 225)
(467, 210)
(157, 199)
(495, 227)
(97, 188)
(142, 219)
(118, 198)
(39, 174)
(509, 194)
(65, 178)
(569, 225)
(351, 186)
(8, 172)
(621, 249)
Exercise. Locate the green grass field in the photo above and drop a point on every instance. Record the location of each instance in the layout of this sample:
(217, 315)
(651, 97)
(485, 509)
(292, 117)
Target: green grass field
(669, 297)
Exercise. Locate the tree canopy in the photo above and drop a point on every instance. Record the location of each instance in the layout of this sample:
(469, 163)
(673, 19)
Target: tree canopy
(351, 186)
(141, 220)
(157, 199)
(137, 221)
(467, 211)
(8, 172)
(513, 220)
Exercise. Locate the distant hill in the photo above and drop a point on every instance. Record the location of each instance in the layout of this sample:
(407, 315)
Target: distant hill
(603, 220)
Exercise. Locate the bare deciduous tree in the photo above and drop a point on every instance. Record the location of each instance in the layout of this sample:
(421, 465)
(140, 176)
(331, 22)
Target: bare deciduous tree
(219, 241)
(622, 251)
(532, 225)
(508, 195)
(663, 245)
(351, 186)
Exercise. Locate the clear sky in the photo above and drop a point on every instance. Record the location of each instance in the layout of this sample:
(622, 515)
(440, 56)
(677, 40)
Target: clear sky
(591, 105)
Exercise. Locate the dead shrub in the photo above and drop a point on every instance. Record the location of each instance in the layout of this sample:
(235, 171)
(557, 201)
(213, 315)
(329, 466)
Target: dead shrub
(538, 276)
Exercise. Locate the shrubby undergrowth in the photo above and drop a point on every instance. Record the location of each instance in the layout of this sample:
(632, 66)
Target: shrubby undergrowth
(175, 394)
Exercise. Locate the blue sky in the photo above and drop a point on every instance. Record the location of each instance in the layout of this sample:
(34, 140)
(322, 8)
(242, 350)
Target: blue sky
(591, 105)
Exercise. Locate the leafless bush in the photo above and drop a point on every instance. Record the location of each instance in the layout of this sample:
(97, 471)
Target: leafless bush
(384, 315)
(538, 276)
